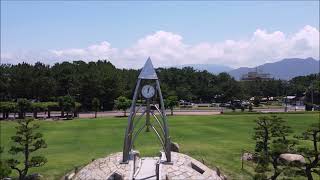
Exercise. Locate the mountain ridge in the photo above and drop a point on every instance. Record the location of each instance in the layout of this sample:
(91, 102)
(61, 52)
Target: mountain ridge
(284, 69)
(212, 68)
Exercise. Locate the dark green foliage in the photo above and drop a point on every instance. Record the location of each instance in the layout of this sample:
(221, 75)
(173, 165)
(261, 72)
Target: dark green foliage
(5, 77)
(271, 135)
(26, 141)
(49, 106)
(66, 104)
(122, 103)
(76, 109)
(38, 107)
(233, 108)
(6, 108)
(85, 81)
(23, 105)
(250, 107)
(242, 108)
(5, 170)
(171, 102)
(95, 106)
(272, 88)
(256, 101)
(305, 84)
(312, 154)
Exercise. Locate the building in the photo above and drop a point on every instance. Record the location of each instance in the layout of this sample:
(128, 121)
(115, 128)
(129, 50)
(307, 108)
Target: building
(293, 100)
(255, 75)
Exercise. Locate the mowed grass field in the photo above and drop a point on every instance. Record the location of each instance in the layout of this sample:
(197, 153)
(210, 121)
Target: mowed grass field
(218, 140)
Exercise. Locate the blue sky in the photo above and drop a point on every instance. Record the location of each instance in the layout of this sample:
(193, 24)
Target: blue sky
(33, 28)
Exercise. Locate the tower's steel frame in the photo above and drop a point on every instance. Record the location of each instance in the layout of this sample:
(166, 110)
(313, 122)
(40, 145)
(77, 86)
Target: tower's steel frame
(147, 73)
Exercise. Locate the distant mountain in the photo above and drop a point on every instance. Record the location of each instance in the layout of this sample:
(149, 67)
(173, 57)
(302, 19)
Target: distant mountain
(212, 68)
(285, 69)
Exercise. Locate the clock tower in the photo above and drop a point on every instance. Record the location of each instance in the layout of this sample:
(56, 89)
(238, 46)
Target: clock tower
(151, 107)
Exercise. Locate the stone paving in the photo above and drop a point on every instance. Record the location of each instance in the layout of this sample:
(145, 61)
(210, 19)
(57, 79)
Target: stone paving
(103, 168)
(185, 167)
(181, 167)
(147, 169)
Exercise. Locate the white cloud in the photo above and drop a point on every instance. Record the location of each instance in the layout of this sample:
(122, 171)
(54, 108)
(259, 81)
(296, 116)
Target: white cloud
(164, 48)
(93, 52)
(167, 48)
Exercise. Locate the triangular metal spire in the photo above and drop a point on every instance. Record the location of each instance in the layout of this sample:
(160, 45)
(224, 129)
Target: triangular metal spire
(148, 71)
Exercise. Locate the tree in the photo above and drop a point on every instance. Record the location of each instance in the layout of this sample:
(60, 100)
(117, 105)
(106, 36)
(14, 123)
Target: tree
(61, 105)
(271, 141)
(242, 108)
(50, 106)
(256, 101)
(26, 141)
(95, 106)
(23, 105)
(122, 103)
(306, 85)
(171, 102)
(76, 109)
(311, 154)
(6, 108)
(5, 170)
(66, 104)
(101, 79)
(233, 107)
(250, 107)
(36, 107)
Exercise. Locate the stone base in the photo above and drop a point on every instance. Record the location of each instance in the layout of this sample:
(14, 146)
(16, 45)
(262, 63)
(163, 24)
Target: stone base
(181, 167)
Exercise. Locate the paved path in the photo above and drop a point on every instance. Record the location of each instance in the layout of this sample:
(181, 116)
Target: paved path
(188, 112)
(104, 114)
(147, 169)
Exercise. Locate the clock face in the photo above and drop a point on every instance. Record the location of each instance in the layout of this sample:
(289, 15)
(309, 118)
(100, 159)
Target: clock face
(147, 91)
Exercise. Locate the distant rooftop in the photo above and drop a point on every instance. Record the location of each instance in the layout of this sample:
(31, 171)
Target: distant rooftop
(255, 75)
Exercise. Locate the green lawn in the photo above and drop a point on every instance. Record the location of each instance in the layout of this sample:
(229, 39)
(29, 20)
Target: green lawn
(218, 140)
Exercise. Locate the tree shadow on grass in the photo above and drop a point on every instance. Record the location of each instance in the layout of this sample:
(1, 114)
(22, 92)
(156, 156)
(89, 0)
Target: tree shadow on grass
(122, 116)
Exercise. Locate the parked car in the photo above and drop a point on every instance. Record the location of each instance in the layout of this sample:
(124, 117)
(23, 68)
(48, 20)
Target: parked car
(245, 103)
(236, 104)
(227, 105)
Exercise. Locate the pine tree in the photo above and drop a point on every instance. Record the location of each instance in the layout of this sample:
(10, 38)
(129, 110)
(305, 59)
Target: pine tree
(311, 154)
(26, 141)
(95, 106)
(23, 105)
(271, 141)
(5, 170)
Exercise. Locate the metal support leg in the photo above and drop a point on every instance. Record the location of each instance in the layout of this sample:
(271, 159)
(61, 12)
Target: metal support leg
(129, 130)
(166, 128)
(148, 116)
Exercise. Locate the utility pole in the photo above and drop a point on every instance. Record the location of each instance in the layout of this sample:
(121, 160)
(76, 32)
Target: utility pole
(286, 98)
